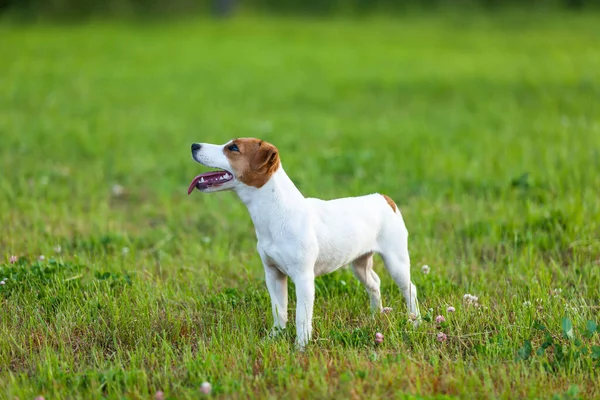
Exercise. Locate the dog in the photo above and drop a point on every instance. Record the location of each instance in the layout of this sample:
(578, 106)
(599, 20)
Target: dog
(302, 238)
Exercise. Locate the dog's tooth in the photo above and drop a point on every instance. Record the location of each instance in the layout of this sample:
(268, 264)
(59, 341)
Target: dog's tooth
(201, 180)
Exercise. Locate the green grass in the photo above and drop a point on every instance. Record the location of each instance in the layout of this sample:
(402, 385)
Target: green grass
(485, 131)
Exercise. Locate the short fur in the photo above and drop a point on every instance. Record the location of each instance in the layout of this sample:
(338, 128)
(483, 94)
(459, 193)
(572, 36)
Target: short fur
(302, 238)
(254, 163)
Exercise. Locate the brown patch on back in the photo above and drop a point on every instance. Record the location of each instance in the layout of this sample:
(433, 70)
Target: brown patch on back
(390, 202)
(254, 163)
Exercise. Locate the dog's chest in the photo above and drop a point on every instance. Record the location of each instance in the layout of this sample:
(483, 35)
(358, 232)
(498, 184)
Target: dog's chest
(280, 257)
(289, 250)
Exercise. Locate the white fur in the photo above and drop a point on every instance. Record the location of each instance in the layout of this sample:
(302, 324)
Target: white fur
(302, 238)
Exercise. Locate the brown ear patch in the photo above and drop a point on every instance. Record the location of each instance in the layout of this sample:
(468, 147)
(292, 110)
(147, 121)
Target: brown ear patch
(390, 202)
(255, 162)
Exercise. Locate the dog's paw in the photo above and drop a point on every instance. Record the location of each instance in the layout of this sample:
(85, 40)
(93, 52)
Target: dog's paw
(415, 320)
(300, 347)
(301, 342)
(276, 331)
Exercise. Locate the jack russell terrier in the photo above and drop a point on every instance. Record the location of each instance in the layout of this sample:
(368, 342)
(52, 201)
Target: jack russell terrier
(304, 237)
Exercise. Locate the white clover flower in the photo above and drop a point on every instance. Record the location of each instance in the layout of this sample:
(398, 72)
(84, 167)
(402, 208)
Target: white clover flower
(469, 299)
(118, 190)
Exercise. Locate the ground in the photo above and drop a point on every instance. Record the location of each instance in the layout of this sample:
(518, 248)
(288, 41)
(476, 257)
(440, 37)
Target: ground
(484, 130)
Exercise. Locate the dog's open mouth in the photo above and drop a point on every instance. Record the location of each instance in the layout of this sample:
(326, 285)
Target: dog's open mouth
(210, 179)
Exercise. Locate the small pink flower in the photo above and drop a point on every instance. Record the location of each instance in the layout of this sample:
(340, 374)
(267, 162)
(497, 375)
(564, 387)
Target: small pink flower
(13, 259)
(386, 310)
(439, 319)
(451, 309)
(41, 258)
(441, 337)
(205, 387)
(40, 398)
(2, 282)
(379, 337)
(159, 395)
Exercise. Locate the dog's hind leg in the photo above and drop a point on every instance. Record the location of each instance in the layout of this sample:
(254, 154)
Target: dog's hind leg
(397, 262)
(363, 270)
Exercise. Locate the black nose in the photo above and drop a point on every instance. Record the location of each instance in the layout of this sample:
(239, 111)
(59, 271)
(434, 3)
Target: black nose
(196, 146)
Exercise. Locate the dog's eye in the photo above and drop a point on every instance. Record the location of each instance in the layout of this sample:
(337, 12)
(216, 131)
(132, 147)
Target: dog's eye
(233, 147)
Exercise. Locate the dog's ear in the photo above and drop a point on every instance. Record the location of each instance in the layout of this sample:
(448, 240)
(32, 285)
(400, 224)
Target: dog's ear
(267, 156)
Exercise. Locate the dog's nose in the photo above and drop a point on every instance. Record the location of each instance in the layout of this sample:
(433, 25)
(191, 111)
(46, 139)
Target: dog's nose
(196, 146)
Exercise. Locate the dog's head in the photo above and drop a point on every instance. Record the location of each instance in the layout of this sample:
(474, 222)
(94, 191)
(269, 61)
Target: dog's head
(245, 161)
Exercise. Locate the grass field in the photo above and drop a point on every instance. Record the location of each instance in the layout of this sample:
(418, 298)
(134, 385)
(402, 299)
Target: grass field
(486, 132)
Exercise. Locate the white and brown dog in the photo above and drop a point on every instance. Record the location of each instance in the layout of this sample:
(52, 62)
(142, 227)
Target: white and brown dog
(304, 237)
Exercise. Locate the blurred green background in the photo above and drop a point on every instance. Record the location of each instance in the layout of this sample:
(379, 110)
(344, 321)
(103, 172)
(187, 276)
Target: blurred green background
(86, 8)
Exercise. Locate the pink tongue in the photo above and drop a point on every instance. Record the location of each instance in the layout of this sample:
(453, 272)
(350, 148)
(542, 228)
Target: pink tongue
(209, 178)
(193, 184)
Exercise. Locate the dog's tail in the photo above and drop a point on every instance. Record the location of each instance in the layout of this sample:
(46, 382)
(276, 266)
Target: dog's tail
(391, 203)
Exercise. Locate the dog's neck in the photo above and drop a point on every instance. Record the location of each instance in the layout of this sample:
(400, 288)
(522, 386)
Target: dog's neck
(270, 201)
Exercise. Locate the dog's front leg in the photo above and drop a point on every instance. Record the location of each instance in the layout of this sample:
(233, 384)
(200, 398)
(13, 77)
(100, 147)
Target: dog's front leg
(277, 286)
(305, 298)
